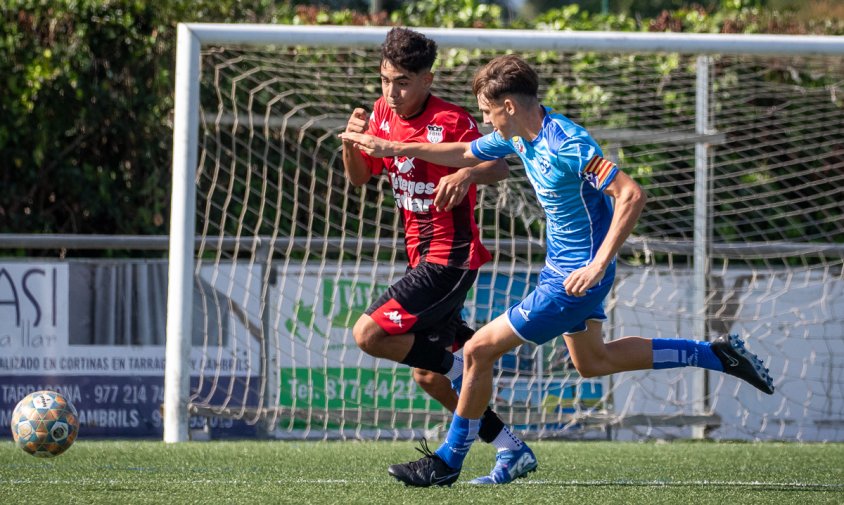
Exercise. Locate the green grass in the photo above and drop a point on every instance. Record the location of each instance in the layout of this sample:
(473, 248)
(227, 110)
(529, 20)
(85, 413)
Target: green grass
(355, 472)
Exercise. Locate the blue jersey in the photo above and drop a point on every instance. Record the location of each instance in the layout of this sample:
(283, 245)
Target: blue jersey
(567, 169)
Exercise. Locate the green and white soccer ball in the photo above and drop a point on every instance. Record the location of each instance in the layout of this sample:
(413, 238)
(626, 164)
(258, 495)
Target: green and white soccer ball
(44, 424)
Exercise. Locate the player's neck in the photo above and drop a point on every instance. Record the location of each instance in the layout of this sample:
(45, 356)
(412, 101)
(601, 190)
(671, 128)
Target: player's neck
(418, 111)
(531, 123)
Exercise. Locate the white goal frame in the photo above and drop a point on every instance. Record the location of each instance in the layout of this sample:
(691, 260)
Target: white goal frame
(191, 38)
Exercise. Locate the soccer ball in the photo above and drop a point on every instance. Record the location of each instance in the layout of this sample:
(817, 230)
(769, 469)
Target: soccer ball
(44, 424)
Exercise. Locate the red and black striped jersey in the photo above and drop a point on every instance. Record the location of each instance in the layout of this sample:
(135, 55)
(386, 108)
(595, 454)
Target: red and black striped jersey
(445, 238)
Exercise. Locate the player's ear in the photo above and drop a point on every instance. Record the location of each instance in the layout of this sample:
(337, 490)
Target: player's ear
(510, 106)
(428, 79)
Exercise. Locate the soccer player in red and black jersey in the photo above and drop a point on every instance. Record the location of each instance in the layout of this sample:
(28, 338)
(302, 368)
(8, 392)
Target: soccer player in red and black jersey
(417, 321)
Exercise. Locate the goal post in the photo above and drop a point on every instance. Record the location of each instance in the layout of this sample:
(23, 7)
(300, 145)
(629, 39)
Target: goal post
(182, 230)
(273, 254)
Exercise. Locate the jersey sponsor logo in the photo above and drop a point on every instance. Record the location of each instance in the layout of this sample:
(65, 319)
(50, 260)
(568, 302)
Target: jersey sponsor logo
(403, 164)
(408, 193)
(394, 316)
(435, 134)
(385, 126)
(547, 193)
(597, 171)
(411, 188)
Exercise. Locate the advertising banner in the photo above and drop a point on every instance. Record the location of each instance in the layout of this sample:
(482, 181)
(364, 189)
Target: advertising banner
(117, 389)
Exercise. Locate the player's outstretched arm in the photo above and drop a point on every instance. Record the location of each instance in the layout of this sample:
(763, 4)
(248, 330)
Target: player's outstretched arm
(449, 154)
(452, 189)
(356, 168)
(629, 201)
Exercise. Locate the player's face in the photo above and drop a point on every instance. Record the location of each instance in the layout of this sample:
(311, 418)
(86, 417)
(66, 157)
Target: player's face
(404, 91)
(495, 113)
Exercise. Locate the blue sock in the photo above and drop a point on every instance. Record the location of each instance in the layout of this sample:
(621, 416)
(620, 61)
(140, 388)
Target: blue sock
(679, 352)
(461, 434)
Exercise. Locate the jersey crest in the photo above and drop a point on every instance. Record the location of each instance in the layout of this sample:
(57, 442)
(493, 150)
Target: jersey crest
(519, 144)
(435, 134)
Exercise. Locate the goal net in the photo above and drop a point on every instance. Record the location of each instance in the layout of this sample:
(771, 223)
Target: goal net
(740, 154)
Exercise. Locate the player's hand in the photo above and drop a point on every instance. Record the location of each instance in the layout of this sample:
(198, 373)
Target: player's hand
(373, 146)
(358, 122)
(582, 279)
(451, 190)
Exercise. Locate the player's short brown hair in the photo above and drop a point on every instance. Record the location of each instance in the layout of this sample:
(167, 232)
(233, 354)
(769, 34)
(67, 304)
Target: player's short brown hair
(409, 50)
(505, 75)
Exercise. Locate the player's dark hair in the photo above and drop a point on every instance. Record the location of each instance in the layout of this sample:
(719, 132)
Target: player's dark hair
(409, 50)
(505, 75)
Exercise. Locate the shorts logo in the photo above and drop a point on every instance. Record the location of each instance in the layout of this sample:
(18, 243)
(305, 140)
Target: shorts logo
(435, 134)
(395, 317)
(524, 313)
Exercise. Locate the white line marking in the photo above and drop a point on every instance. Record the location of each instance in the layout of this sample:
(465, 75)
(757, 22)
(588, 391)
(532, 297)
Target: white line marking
(677, 483)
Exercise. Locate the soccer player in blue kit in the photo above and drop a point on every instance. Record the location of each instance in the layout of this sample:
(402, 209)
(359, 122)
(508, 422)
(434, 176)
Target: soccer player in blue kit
(576, 187)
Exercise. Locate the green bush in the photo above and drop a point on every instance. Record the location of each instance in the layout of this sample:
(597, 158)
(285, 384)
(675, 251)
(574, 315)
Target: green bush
(86, 91)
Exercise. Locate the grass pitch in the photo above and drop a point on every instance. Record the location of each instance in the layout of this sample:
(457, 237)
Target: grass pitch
(355, 472)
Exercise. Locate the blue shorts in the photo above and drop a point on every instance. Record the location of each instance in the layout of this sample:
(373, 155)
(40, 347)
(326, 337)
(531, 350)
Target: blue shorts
(548, 311)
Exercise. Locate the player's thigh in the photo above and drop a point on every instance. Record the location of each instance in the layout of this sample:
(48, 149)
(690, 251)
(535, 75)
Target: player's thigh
(492, 340)
(587, 347)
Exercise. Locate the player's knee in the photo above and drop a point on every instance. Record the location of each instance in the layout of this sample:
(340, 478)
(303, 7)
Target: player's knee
(478, 352)
(588, 371)
(589, 368)
(424, 378)
(366, 334)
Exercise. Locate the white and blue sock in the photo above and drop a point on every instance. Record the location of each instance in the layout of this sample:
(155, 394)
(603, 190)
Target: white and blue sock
(461, 434)
(456, 370)
(507, 441)
(679, 352)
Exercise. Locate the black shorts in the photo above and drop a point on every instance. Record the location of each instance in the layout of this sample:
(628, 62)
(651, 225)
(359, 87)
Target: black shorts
(427, 301)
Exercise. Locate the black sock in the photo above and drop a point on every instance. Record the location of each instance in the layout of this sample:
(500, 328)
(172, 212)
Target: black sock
(491, 426)
(427, 356)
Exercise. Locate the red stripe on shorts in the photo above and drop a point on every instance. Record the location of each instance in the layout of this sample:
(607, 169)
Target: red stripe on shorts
(393, 318)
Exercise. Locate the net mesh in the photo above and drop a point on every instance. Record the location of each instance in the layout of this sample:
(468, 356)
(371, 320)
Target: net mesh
(291, 254)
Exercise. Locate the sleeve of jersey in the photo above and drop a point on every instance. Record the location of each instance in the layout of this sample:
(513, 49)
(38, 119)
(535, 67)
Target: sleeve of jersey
(376, 166)
(585, 160)
(463, 128)
(599, 172)
(491, 147)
